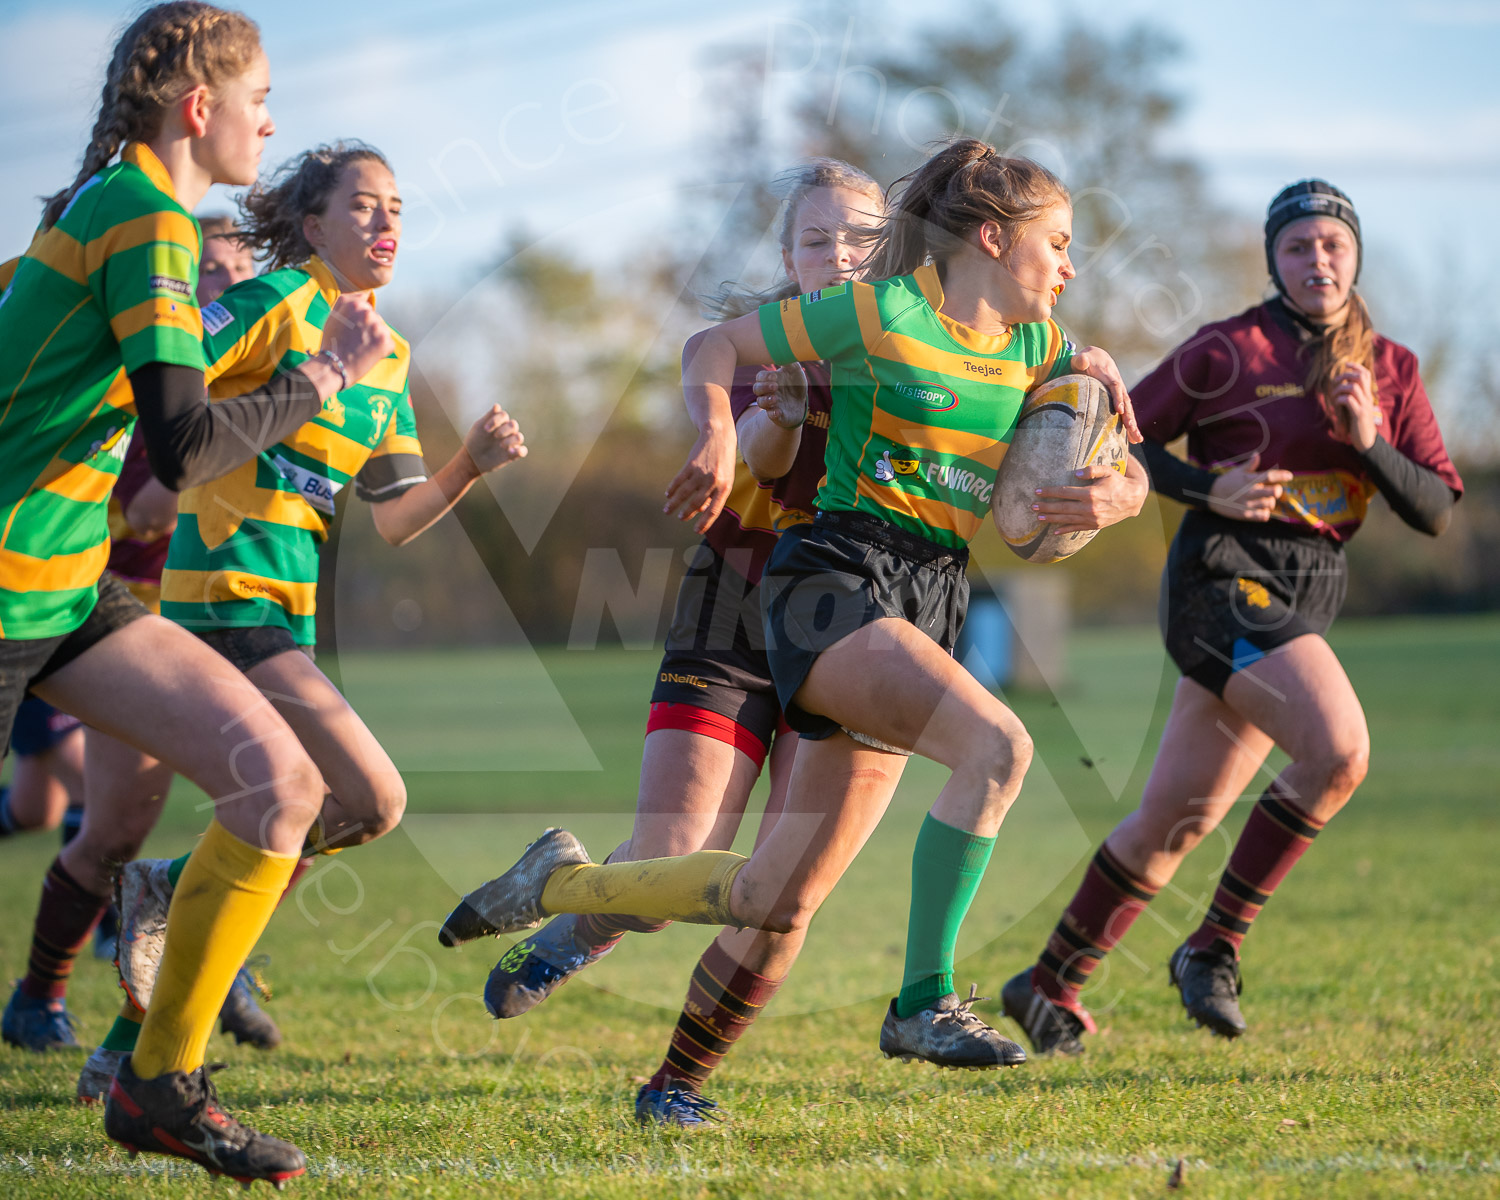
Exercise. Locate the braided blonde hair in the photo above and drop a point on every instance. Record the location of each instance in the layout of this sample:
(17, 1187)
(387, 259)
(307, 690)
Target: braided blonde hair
(165, 53)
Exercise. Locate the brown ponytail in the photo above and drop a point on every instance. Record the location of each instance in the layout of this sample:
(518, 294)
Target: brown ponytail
(1336, 348)
(272, 213)
(730, 301)
(958, 189)
(166, 52)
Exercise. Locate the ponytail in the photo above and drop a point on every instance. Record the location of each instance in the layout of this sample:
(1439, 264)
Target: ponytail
(166, 52)
(958, 189)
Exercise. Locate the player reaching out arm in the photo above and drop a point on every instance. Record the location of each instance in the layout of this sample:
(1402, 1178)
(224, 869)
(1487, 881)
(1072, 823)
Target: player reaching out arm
(1296, 413)
(243, 563)
(862, 606)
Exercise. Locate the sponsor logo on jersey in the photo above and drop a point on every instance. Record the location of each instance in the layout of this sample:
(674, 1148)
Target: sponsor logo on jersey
(887, 468)
(932, 396)
(958, 479)
(1278, 389)
(318, 490)
(165, 283)
(216, 317)
(827, 293)
(983, 369)
(114, 443)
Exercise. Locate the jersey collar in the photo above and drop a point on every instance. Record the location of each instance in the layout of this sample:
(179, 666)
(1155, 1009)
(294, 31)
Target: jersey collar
(141, 155)
(971, 339)
(327, 284)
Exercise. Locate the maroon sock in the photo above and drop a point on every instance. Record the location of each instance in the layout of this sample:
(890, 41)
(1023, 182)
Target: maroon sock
(1106, 904)
(598, 930)
(64, 920)
(723, 1001)
(1274, 838)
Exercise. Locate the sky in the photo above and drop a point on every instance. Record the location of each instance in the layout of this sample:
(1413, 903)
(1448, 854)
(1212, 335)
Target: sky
(578, 120)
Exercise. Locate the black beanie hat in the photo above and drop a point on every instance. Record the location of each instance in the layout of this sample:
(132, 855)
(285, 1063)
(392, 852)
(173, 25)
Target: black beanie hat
(1310, 198)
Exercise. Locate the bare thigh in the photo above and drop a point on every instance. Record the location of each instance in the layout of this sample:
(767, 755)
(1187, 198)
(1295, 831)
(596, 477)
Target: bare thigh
(839, 790)
(1208, 756)
(895, 683)
(1300, 695)
(692, 796)
(156, 687)
(368, 795)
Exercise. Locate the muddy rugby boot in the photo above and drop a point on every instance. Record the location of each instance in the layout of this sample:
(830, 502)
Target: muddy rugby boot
(514, 900)
(948, 1034)
(1052, 1028)
(1210, 985)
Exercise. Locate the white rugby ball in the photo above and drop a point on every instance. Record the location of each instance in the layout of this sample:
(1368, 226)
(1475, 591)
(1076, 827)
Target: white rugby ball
(1065, 425)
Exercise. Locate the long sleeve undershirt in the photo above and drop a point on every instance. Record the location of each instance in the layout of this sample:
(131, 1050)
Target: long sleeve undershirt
(190, 441)
(1416, 494)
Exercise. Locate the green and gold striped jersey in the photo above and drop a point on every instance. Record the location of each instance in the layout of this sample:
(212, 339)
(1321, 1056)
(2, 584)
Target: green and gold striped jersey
(923, 408)
(107, 289)
(245, 551)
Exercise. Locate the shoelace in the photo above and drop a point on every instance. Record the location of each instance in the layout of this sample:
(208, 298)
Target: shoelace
(697, 1105)
(210, 1107)
(964, 1014)
(254, 973)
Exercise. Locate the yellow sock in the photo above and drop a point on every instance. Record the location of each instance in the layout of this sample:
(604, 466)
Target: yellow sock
(227, 893)
(694, 888)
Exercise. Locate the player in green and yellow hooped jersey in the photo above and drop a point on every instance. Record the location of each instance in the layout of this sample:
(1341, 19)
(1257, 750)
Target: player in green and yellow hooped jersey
(99, 330)
(930, 365)
(243, 565)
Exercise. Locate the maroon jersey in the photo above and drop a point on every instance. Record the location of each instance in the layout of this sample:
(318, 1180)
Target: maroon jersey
(756, 513)
(1235, 388)
(131, 559)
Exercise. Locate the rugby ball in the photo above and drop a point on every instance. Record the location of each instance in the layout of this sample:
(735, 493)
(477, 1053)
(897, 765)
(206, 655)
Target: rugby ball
(1065, 425)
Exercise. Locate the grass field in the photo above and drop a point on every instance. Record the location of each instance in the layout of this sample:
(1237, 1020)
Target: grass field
(1371, 982)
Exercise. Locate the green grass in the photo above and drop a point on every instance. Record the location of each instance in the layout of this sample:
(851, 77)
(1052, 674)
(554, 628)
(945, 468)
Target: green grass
(1372, 979)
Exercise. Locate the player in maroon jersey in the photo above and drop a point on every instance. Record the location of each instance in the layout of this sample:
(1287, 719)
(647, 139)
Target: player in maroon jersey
(1296, 413)
(715, 718)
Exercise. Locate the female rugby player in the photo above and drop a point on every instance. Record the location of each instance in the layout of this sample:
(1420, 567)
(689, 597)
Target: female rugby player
(862, 606)
(242, 568)
(1296, 412)
(100, 331)
(715, 717)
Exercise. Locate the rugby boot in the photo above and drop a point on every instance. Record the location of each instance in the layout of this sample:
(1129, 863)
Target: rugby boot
(514, 900)
(243, 1017)
(534, 968)
(98, 1073)
(40, 1025)
(143, 895)
(1210, 985)
(1052, 1028)
(948, 1034)
(674, 1106)
(178, 1113)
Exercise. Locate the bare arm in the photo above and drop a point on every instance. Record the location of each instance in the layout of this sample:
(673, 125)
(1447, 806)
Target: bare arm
(771, 432)
(698, 491)
(492, 442)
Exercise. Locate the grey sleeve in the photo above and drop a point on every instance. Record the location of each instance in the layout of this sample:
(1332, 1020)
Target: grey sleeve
(389, 476)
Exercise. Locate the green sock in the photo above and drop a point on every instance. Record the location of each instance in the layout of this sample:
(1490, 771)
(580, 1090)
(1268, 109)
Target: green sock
(174, 869)
(122, 1034)
(946, 867)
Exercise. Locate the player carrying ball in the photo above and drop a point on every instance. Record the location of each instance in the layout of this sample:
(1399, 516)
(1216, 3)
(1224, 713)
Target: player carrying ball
(862, 606)
(715, 717)
(1296, 412)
